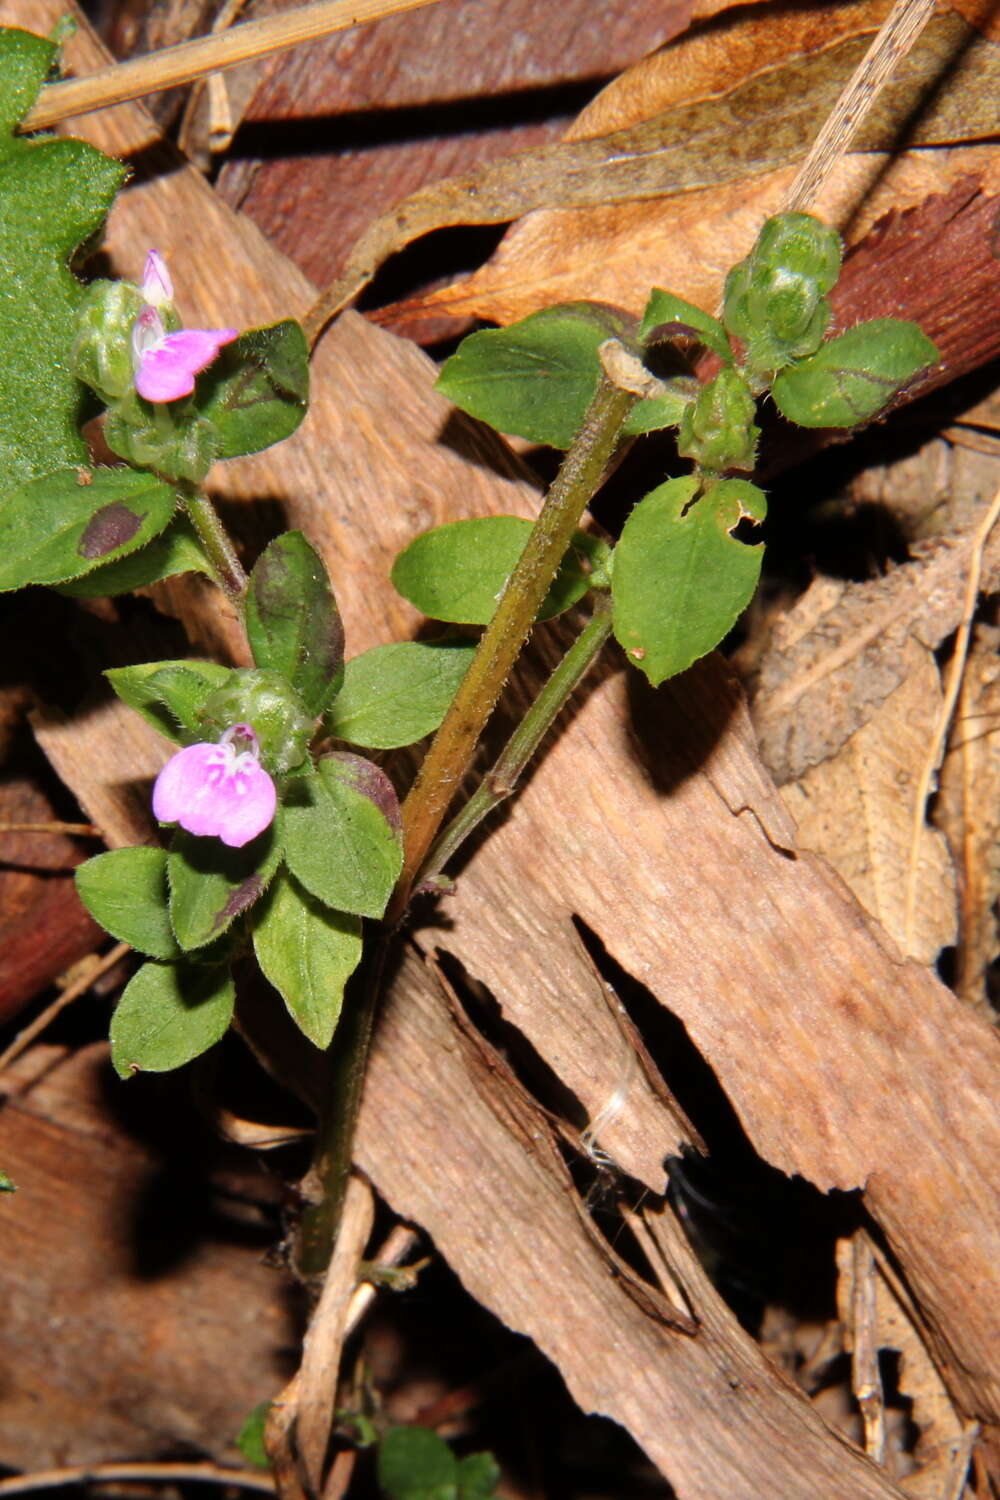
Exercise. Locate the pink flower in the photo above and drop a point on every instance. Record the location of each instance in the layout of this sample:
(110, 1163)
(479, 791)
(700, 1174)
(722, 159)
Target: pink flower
(218, 790)
(166, 363)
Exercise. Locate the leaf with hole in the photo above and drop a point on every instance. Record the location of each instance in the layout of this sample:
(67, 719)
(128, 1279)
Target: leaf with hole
(681, 577)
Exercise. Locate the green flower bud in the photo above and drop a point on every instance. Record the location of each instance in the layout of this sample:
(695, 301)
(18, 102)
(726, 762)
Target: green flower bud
(273, 709)
(775, 298)
(717, 429)
(102, 351)
(177, 445)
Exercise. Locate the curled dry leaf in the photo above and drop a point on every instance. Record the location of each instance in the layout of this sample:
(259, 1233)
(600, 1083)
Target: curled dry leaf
(856, 809)
(738, 100)
(840, 652)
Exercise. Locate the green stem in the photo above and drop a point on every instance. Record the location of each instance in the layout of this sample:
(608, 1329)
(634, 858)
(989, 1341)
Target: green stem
(452, 748)
(218, 548)
(333, 1154)
(502, 781)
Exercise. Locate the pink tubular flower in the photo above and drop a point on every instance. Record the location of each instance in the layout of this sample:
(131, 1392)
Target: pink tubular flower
(218, 790)
(166, 363)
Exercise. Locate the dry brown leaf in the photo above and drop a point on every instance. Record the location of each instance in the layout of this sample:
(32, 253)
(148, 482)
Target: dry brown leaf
(617, 251)
(839, 653)
(968, 810)
(856, 809)
(932, 1410)
(789, 77)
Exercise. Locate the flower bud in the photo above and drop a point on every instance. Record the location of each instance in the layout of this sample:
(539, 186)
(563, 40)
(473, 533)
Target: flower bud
(267, 702)
(774, 299)
(102, 351)
(717, 429)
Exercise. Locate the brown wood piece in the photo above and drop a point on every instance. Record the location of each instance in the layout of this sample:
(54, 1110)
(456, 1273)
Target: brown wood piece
(652, 818)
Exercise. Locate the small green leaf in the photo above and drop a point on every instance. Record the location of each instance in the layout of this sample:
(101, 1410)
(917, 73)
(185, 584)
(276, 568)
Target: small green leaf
(680, 577)
(458, 571)
(670, 317)
(853, 376)
(55, 195)
(415, 1464)
(535, 378)
(656, 412)
(169, 694)
(292, 620)
(6, 1184)
(339, 842)
(257, 392)
(68, 523)
(250, 1438)
(176, 550)
(394, 695)
(126, 890)
(169, 1014)
(211, 884)
(308, 953)
(478, 1477)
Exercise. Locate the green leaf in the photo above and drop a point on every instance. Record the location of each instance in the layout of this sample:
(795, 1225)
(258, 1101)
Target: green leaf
(250, 1438)
(457, 572)
(169, 1014)
(478, 1476)
(7, 1185)
(415, 1464)
(308, 953)
(655, 412)
(68, 523)
(257, 392)
(339, 842)
(394, 695)
(670, 317)
(211, 884)
(55, 195)
(680, 577)
(292, 620)
(170, 694)
(852, 376)
(126, 891)
(176, 550)
(535, 378)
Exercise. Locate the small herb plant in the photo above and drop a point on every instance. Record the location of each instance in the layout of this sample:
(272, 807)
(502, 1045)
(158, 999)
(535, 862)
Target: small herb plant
(282, 836)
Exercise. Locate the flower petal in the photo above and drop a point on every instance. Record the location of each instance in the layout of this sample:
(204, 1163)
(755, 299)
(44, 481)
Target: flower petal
(212, 791)
(157, 286)
(167, 371)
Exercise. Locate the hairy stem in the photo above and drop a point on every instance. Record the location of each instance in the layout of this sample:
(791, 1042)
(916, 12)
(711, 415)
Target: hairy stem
(502, 781)
(451, 751)
(218, 548)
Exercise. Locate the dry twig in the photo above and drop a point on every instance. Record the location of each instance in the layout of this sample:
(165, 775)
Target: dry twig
(953, 686)
(206, 54)
(136, 1473)
(70, 993)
